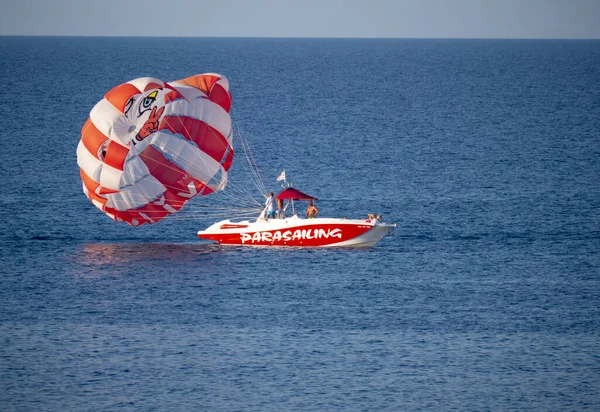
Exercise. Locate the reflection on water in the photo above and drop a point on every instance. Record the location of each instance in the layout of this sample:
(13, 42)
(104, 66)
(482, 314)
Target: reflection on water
(101, 254)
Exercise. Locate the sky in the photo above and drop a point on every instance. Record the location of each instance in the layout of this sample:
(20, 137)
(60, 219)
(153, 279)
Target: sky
(304, 18)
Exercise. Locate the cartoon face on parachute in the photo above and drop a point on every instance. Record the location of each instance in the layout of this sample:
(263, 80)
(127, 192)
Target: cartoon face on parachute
(149, 146)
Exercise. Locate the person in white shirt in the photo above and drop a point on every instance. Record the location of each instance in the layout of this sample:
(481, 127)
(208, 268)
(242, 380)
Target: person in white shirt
(270, 205)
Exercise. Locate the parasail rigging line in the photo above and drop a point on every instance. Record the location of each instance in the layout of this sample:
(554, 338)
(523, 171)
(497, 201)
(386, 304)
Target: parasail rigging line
(233, 186)
(234, 194)
(255, 170)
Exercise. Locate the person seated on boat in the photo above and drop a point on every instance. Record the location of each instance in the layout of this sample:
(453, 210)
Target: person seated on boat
(280, 214)
(270, 206)
(373, 218)
(312, 210)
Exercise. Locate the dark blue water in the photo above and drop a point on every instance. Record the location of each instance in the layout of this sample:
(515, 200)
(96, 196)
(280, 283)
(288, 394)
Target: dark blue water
(485, 153)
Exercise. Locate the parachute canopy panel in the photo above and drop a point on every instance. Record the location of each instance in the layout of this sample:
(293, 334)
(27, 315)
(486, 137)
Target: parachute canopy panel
(150, 146)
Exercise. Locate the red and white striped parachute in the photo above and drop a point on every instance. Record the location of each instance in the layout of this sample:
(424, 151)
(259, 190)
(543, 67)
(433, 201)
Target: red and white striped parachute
(149, 146)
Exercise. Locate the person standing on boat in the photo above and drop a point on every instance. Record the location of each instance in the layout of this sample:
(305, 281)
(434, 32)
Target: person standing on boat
(280, 209)
(270, 206)
(312, 210)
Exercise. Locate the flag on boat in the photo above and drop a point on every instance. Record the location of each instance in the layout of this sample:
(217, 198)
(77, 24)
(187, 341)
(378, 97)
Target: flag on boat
(281, 176)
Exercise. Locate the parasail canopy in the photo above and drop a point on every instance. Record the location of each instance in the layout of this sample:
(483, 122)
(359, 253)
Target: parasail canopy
(293, 194)
(150, 146)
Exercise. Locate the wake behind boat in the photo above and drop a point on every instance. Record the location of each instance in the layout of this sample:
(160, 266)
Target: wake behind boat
(295, 231)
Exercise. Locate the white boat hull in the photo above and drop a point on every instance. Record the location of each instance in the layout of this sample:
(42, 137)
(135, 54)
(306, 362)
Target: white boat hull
(296, 232)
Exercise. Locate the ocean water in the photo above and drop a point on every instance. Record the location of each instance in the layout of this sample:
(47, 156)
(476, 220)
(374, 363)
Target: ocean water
(485, 153)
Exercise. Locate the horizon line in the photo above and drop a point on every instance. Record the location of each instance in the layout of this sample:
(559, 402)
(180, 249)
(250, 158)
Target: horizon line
(297, 37)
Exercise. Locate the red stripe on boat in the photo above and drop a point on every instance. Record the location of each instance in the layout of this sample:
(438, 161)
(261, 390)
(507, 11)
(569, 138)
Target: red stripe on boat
(307, 236)
(232, 226)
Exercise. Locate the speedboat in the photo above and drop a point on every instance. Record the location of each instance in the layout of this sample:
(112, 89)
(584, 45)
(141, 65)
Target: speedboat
(296, 231)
